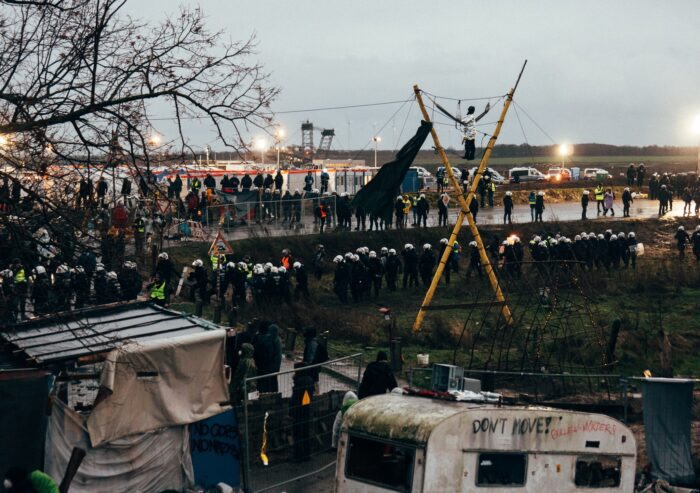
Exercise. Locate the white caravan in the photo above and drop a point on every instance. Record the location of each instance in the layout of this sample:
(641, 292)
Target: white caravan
(413, 444)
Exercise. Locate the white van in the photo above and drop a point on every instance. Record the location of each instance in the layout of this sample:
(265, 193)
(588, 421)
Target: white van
(496, 177)
(413, 444)
(523, 174)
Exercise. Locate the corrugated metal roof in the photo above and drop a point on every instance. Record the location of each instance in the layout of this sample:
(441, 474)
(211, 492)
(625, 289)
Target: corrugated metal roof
(96, 330)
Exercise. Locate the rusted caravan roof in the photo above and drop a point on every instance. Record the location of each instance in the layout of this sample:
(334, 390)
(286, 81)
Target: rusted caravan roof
(402, 417)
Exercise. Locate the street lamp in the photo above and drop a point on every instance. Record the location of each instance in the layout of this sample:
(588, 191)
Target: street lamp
(260, 145)
(564, 150)
(279, 136)
(377, 139)
(696, 131)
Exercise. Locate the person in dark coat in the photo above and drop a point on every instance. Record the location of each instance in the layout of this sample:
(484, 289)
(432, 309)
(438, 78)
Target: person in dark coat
(378, 378)
(539, 206)
(508, 208)
(426, 264)
(263, 357)
(276, 360)
(300, 411)
(682, 240)
(279, 181)
(246, 182)
(584, 204)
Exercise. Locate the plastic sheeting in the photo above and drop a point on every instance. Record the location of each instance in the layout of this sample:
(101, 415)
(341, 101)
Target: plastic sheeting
(667, 411)
(147, 463)
(159, 384)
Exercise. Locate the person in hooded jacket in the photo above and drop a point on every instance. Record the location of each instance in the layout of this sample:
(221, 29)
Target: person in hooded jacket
(378, 378)
(349, 399)
(263, 355)
(244, 370)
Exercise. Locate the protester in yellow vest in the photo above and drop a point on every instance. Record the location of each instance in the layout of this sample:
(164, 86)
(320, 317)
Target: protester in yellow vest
(599, 197)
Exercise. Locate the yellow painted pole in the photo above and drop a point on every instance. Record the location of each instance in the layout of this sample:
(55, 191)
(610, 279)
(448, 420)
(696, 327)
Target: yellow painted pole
(464, 211)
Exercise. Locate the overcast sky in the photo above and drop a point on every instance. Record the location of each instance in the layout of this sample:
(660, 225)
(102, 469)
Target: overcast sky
(617, 72)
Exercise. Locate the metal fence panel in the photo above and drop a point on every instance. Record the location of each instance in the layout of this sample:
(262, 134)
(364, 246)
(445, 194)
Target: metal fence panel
(288, 421)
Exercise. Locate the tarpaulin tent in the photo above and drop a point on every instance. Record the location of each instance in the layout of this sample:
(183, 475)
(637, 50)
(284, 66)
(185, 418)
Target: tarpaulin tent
(147, 462)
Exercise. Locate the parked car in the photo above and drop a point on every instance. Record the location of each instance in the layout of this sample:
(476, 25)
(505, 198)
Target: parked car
(558, 174)
(427, 180)
(496, 177)
(522, 174)
(592, 173)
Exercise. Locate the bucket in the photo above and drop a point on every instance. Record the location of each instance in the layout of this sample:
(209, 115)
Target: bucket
(423, 359)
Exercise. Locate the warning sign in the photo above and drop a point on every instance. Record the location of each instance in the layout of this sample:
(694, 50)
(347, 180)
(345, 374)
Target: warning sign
(220, 246)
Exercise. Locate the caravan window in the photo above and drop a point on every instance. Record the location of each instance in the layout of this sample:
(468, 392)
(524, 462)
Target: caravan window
(501, 470)
(386, 464)
(598, 471)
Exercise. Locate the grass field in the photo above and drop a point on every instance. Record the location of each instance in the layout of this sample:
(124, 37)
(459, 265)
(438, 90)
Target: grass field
(659, 295)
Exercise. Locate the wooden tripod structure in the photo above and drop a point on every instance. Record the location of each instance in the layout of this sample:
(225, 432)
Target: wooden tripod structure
(464, 212)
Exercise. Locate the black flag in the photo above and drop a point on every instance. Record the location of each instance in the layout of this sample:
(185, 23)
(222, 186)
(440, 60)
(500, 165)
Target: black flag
(377, 197)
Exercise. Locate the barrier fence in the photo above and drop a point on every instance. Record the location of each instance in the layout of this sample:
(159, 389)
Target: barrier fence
(605, 393)
(288, 421)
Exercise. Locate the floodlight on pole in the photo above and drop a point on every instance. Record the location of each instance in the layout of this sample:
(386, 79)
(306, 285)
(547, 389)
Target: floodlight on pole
(696, 130)
(564, 150)
(280, 134)
(260, 144)
(377, 139)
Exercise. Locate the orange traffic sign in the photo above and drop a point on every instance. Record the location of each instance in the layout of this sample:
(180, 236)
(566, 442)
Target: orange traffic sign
(220, 246)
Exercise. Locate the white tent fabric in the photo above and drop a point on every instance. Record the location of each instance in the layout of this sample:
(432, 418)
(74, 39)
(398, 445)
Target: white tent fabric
(159, 384)
(148, 463)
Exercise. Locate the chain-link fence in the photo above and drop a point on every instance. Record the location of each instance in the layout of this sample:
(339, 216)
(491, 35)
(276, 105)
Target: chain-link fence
(288, 421)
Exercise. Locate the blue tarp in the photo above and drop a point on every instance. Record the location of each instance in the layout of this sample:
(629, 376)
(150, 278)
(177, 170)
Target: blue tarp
(216, 450)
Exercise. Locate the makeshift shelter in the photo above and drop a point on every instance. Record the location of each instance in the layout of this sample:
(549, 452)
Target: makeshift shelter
(129, 379)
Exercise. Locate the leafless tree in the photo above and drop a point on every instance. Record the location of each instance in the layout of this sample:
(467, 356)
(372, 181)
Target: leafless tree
(82, 84)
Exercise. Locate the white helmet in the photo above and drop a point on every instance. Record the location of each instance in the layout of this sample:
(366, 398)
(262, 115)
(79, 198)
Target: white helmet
(681, 228)
(399, 197)
(112, 275)
(274, 270)
(516, 239)
(258, 270)
(422, 196)
(242, 265)
(355, 258)
(163, 256)
(444, 241)
(586, 192)
(99, 267)
(577, 238)
(392, 251)
(543, 244)
(372, 254)
(79, 269)
(337, 259)
(504, 243)
(408, 246)
(541, 194)
(601, 237)
(281, 270)
(197, 263)
(427, 246)
(386, 250)
(554, 242)
(267, 267)
(297, 265)
(509, 193)
(360, 250)
(62, 269)
(537, 239)
(473, 243)
(348, 255)
(631, 234)
(230, 265)
(621, 234)
(129, 264)
(591, 235)
(613, 238)
(627, 189)
(7, 273)
(608, 231)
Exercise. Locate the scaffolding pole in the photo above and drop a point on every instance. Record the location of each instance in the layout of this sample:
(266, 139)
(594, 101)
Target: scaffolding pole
(465, 212)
